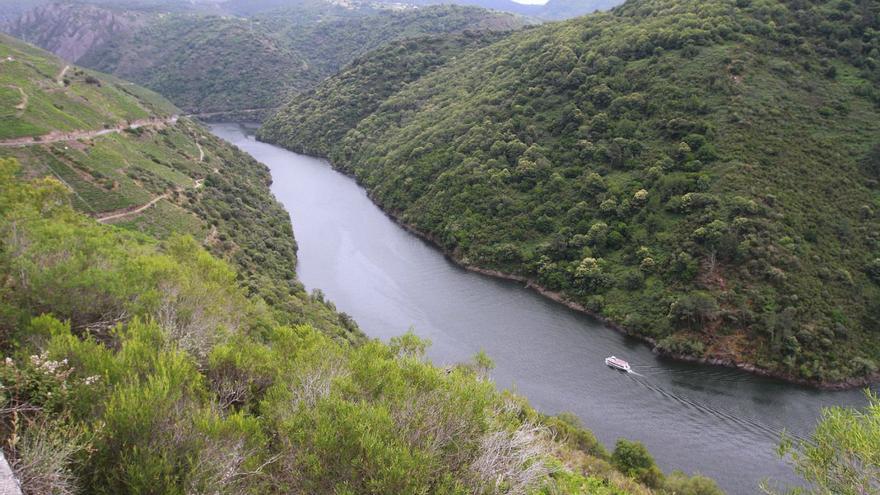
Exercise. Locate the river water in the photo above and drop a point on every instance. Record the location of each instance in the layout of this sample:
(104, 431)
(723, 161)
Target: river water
(716, 421)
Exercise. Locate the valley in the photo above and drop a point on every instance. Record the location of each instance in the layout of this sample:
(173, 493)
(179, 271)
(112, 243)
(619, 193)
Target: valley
(389, 280)
(219, 66)
(649, 182)
(399, 262)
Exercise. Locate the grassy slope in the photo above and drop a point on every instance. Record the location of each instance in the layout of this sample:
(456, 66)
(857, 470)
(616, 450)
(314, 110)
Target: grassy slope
(233, 211)
(698, 172)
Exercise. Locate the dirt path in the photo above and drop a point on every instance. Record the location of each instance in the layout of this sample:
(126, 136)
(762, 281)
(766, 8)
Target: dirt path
(201, 152)
(60, 78)
(21, 107)
(113, 215)
(56, 137)
(125, 212)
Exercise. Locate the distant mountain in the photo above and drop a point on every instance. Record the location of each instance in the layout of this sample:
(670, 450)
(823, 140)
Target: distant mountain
(72, 30)
(552, 10)
(567, 9)
(704, 173)
(224, 66)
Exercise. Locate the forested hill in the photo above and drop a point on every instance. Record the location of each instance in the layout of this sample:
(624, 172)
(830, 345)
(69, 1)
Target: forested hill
(235, 67)
(315, 120)
(703, 173)
(136, 360)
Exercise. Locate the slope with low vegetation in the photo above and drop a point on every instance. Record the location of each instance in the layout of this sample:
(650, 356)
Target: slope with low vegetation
(702, 173)
(226, 67)
(196, 183)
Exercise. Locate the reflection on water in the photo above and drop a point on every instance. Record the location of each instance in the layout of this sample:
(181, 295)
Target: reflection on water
(716, 421)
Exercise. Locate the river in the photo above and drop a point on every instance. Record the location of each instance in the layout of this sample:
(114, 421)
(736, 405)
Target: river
(716, 421)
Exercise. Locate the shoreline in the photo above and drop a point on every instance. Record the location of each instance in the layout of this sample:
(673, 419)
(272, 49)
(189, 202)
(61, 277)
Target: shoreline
(560, 298)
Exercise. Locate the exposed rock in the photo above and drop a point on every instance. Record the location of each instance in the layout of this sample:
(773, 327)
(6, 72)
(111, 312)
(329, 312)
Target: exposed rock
(71, 31)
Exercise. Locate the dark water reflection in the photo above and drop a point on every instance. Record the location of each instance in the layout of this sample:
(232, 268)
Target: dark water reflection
(716, 421)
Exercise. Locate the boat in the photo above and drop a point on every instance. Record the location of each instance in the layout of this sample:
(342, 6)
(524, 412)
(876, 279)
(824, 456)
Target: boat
(617, 363)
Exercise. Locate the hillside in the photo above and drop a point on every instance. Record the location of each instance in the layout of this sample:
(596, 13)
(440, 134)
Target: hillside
(314, 121)
(130, 161)
(233, 67)
(703, 174)
(135, 361)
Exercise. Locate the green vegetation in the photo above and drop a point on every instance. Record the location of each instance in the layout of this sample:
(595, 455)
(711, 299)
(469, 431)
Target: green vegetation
(136, 361)
(36, 101)
(142, 366)
(703, 173)
(222, 197)
(236, 67)
(843, 454)
(318, 119)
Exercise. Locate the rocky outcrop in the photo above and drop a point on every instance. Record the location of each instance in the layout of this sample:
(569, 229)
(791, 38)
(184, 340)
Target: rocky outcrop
(71, 31)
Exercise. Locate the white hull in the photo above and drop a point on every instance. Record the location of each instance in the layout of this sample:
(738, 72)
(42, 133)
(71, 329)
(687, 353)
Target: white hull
(618, 364)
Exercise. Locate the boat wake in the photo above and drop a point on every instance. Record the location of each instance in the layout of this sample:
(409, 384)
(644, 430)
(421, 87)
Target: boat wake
(747, 424)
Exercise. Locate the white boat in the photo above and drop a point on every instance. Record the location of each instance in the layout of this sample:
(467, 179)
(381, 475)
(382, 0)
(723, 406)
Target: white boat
(617, 363)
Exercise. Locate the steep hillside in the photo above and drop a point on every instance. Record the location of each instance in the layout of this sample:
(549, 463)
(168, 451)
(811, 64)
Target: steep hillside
(232, 67)
(193, 387)
(206, 64)
(314, 121)
(134, 361)
(70, 30)
(130, 161)
(702, 173)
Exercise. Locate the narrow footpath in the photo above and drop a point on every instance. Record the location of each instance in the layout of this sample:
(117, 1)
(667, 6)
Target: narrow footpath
(108, 216)
(57, 136)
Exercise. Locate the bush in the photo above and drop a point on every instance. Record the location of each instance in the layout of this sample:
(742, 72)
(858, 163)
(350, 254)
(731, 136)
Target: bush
(679, 483)
(633, 459)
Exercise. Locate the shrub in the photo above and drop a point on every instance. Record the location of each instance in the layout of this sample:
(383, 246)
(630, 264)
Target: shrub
(679, 483)
(633, 459)
(42, 460)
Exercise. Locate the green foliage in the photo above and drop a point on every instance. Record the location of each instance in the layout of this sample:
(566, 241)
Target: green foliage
(633, 459)
(211, 191)
(843, 454)
(226, 67)
(195, 387)
(653, 139)
(680, 484)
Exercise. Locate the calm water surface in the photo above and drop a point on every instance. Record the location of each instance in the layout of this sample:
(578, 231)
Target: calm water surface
(715, 421)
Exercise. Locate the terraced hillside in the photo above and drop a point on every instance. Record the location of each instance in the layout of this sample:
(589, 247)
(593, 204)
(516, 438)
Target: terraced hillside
(702, 173)
(130, 161)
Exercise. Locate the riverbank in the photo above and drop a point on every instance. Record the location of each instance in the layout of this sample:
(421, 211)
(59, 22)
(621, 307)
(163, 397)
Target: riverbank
(690, 416)
(558, 297)
(561, 298)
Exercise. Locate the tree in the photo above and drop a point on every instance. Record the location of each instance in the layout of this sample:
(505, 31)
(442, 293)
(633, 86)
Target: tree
(842, 457)
(697, 308)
